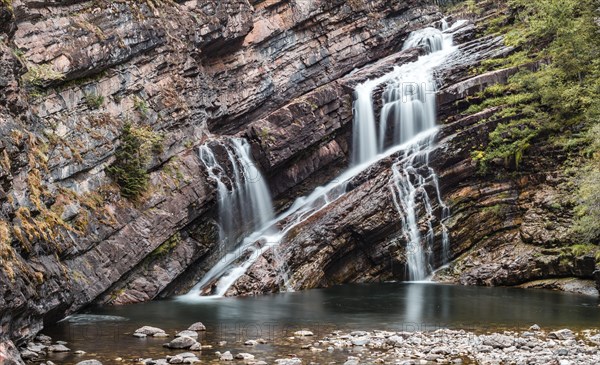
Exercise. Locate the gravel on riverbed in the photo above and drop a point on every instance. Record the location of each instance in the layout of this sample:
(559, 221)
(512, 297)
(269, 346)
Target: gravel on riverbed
(444, 346)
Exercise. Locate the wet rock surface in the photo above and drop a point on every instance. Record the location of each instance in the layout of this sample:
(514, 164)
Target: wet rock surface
(181, 342)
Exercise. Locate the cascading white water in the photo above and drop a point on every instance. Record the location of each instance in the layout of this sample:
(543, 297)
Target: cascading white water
(244, 199)
(411, 177)
(445, 24)
(409, 105)
(364, 125)
(431, 39)
(408, 99)
(409, 108)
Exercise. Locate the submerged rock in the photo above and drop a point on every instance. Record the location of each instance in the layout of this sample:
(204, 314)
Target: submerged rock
(303, 333)
(226, 356)
(186, 355)
(155, 362)
(29, 355)
(244, 356)
(595, 339)
(175, 359)
(292, 361)
(185, 358)
(36, 347)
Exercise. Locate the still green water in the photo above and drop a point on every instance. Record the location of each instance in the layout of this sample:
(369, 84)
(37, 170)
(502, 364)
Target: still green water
(105, 332)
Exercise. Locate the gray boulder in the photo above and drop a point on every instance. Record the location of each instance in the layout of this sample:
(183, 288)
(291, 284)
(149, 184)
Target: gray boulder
(187, 333)
(89, 362)
(198, 326)
(149, 331)
(58, 348)
(564, 334)
(183, 342)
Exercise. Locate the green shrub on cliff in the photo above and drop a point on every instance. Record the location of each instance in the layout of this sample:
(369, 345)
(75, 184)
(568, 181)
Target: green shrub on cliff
(561, 94)
(94, 101)
(131, 157)
(555, 102)
(587, 211)
(41, 75)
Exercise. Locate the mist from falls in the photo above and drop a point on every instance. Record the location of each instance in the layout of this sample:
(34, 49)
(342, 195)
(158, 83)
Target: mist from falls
(407, 123)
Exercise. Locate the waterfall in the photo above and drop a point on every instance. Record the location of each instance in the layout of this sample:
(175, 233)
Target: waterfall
(445, 24)
(219, 279)
(243, 198)
(364, 136)
(409, 105)
(411, 175)
(409, 110)
(431, 39)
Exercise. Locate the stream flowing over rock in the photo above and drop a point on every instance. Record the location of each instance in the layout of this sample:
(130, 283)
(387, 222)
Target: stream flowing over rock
(224, 92)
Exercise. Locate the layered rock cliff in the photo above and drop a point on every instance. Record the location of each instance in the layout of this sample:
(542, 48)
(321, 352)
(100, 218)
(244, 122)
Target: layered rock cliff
(74, 73)
(280, 73)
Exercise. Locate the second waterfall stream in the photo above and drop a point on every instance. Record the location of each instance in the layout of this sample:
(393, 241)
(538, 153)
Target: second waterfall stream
(406, 127)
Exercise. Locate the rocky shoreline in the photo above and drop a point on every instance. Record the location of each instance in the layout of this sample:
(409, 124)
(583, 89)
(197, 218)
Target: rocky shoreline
(442, 346)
